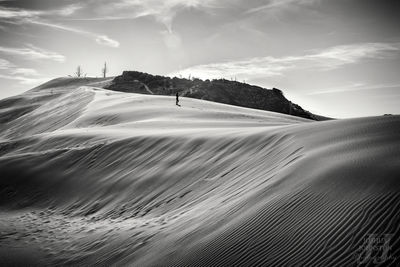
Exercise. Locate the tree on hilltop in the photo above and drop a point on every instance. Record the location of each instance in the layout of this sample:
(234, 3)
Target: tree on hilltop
(104, 70)
(79, 71)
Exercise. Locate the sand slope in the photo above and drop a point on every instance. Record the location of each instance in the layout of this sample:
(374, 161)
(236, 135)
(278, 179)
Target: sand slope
(92, 176)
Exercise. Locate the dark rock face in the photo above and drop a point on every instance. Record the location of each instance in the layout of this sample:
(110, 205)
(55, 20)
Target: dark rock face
(221, 90)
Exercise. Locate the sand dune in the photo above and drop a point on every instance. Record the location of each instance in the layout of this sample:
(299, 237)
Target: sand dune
(91, 176)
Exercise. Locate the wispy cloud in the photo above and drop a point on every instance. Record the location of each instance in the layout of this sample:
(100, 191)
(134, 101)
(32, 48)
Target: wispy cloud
(347, 54)
(20, 13)
(163, 11)
(17, 13)
(326, 59)
(70, 9)
(99, 38)
(24, 75)
(5, 64)
(25, 71)
(105, 40)
(23, 79)
(32, 52)
(354, 88)
(44, 18)
(274, 5)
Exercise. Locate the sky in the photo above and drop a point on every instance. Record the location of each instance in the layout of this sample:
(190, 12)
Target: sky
(337, 58)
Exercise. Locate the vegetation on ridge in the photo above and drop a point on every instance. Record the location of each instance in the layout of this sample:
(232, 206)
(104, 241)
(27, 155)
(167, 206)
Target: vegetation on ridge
(217, 90)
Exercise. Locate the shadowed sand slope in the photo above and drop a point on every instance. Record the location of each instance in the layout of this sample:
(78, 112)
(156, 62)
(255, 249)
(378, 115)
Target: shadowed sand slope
(91, 176)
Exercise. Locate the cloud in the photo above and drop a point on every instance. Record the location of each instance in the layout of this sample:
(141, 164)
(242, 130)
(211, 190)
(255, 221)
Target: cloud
(23, 79)
(354, 88)
(5, 64)
(275, 5)
(100, 39)
(164, 11)
(20, 13)
(69, 10)
(16, 13)
(32, 52)
(266, 66)
(24, 75)
(322, 60)
(25, 71)
(43, 18)
(104, 40)
(347, 54)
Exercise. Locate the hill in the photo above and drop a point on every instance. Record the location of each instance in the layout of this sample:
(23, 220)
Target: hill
(91, 176)
(220, 90)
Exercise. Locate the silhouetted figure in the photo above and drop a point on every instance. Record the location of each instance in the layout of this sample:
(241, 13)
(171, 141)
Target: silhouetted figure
(177, 99)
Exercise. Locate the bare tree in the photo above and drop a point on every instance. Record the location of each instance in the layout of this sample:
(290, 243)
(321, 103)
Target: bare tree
(79, 72)
(104, 70)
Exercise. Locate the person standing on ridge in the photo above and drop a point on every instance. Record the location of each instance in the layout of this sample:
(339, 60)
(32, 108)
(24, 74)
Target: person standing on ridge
(177, 98)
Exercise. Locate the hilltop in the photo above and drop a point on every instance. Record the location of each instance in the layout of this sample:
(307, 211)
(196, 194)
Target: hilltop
(217, 90)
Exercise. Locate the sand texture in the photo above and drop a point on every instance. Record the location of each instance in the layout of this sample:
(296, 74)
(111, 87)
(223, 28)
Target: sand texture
(90, 176)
